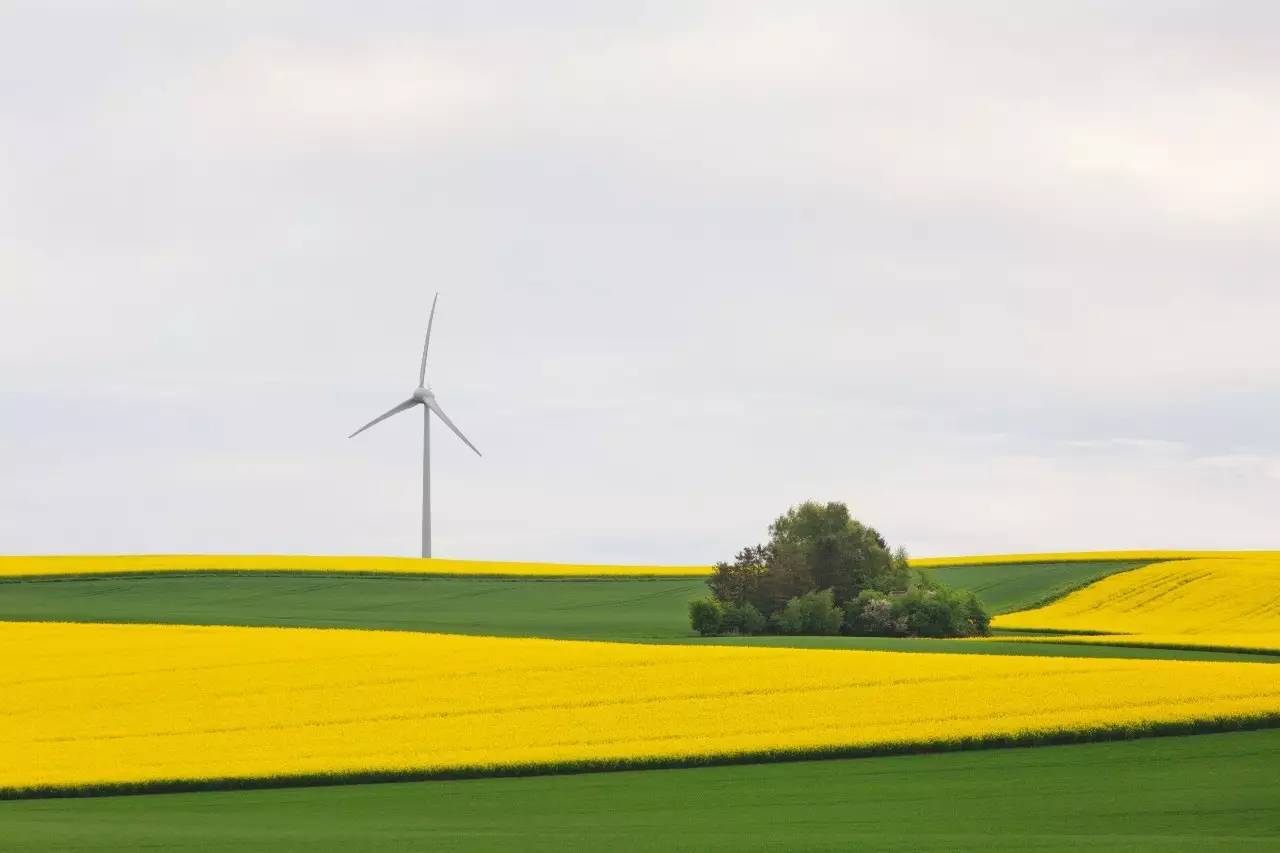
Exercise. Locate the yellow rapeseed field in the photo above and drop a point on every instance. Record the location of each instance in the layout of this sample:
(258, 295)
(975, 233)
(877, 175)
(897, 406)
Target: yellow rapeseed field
(1182, 597)
(1214, 603)
(95, 564)
(84, 704)
(1082, 557)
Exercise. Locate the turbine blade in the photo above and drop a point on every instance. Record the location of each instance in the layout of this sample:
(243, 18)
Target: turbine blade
(422, 371)
(435, 407)
(407, 404)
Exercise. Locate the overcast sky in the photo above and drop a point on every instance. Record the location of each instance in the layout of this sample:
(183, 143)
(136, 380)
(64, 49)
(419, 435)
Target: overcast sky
(1002, 276)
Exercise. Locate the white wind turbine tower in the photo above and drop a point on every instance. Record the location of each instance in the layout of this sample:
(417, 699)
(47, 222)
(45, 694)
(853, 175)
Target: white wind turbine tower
(423, 397)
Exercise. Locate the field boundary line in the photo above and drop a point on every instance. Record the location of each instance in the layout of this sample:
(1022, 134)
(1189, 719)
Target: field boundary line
(1189, 646)
(334, 573)
(1092, 734)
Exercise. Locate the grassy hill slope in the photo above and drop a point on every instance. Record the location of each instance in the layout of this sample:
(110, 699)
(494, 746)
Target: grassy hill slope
(1005, 587)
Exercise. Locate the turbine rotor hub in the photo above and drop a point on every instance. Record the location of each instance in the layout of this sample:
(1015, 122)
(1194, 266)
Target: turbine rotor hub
(422, 395)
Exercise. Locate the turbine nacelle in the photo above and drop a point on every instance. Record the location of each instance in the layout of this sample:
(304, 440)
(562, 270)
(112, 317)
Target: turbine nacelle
(423, 395)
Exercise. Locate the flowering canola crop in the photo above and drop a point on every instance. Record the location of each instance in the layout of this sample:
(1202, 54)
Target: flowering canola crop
(1213, 603)
(97, 564)
(85, 704)
(1083, 557)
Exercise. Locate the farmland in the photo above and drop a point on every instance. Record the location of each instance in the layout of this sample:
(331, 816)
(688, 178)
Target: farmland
(145, 564)
(1202, 792)
(1006, 587)
(1201, 603)
(85, 703)
(357, 595)
(1220, 595)
(614, 608)
(570, 609)
(468, 675)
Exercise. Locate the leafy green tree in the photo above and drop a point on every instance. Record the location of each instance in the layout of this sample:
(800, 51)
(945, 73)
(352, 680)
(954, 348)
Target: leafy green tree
(739, 582)
(788, 576)
(706, 616)
(812, 613)
(743, 619)
(841, 553)
(751, 620)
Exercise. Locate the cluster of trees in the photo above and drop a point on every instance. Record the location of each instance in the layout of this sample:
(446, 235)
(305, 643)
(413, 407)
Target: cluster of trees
(823, 572)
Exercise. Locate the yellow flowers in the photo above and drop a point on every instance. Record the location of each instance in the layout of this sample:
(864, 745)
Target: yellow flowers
(1186, 596)
(84, 705)
(20, 566)
(1082, 556)
(92, 704)
(148, 563)
(1215, 603)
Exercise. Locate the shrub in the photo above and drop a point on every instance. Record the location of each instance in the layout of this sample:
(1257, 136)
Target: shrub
(870, 614)
(753, 621)
(812, 613)
(935, 611)
(928, 615)
(979, 618)
(706, 616)
(745, 619)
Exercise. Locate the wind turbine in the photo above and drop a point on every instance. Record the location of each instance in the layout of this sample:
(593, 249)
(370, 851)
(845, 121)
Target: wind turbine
(423, 397)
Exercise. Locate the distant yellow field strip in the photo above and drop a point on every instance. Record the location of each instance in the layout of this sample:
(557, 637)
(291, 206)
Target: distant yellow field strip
(93, 564)
(35, 566)
(92, 704)
(1083, 557)
(1217, 603)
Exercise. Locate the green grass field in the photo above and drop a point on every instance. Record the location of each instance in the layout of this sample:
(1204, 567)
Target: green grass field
(1204, 792)
(581, 609)
(629, 610)
(1020, 586)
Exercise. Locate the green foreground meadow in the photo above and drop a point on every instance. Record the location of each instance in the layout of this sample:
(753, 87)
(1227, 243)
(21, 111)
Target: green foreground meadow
(1196, 793)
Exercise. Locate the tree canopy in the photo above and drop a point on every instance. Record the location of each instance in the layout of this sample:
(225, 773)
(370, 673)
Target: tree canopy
(823, 571)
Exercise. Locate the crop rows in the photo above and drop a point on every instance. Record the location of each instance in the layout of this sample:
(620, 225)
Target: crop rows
(148, 705)
(1208, 604)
